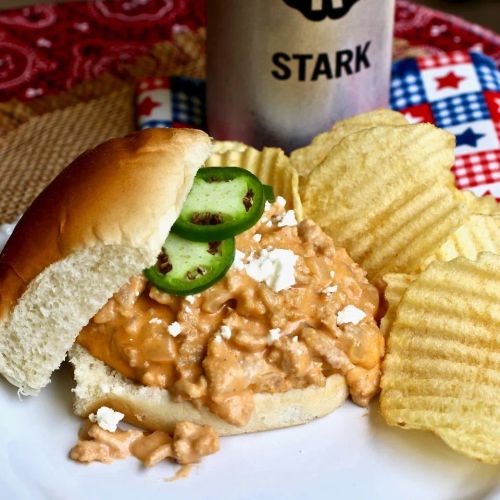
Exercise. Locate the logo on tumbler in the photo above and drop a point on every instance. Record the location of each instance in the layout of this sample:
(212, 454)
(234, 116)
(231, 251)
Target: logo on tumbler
(318, 10)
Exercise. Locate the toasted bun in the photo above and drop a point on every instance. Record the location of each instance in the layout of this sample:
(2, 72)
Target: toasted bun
(152, 408)
(100, 221)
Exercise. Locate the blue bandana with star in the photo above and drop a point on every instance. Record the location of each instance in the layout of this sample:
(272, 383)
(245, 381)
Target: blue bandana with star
(459, 92)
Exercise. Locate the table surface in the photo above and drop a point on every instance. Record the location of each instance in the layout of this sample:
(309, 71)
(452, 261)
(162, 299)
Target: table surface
(484, 12)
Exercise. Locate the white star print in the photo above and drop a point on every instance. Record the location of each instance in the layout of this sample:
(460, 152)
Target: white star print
(413, 119)
(497, 102)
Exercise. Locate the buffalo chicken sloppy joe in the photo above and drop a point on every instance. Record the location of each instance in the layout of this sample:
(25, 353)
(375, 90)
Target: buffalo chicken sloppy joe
(193, 291)
(291, 310)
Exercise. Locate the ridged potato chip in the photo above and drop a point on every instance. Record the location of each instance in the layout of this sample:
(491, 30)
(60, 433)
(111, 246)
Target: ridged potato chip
(304, 160)
(386, 195)
(397, 284)
(442, 368)
(271, 166)
(485, 205)
(221, 147)
(479, 233)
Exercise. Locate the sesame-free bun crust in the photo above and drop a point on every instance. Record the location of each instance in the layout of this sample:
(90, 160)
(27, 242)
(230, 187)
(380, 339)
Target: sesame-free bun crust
(152, 408)
(100, 221)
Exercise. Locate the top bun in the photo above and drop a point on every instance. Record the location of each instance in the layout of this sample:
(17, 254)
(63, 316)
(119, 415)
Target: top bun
(101, 220)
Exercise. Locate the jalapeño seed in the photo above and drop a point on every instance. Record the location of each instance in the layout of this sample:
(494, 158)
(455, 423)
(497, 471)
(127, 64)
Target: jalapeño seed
(248, 200)
(207, 218)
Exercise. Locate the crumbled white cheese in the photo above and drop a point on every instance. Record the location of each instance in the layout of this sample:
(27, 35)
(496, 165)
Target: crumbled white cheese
(274, 335)
(174, 329)
(155, 321)
(350, 314)
(106, 418)
(295, 339)
(332, 274)
(276, 268)
(267, 206)
(257, 237)
(190, 298)
(281, 201)
(329, 290)
(218, 339)
(238, 263)
(225, 332)
(287, 220)
(269, 223)
(188, 310)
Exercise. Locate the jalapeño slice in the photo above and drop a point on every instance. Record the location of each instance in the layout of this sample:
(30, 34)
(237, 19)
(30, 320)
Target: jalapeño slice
(188, 267)
(223, 202)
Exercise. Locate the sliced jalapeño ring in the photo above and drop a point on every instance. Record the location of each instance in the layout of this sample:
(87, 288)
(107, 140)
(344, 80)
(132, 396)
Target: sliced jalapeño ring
(223, 202)
(187, 267)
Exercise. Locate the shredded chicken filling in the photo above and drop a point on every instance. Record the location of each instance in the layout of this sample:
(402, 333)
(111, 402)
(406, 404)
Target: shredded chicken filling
(240, 337)
(189, 443)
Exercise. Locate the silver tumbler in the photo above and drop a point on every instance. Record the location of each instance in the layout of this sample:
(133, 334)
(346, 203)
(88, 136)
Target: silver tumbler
(281, 71)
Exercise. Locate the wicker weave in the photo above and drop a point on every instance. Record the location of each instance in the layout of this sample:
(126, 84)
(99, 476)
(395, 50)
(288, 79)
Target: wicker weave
(32, 154)
(41, 136)
(13, 114)
(82, 92)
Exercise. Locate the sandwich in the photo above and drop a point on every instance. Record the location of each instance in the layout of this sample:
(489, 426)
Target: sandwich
(183, 293)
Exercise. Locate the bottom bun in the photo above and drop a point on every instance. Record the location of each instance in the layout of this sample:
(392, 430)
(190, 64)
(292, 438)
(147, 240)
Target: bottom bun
(152, 408)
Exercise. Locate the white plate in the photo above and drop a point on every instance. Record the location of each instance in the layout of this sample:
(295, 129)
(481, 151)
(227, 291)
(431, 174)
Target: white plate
(348, 454)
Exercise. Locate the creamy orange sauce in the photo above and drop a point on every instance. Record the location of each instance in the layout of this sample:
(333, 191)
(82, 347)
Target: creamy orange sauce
(131, 334)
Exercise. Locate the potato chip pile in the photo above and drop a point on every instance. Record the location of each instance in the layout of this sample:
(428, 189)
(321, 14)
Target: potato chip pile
(383, 189)
(387, 195)
(442, 369)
